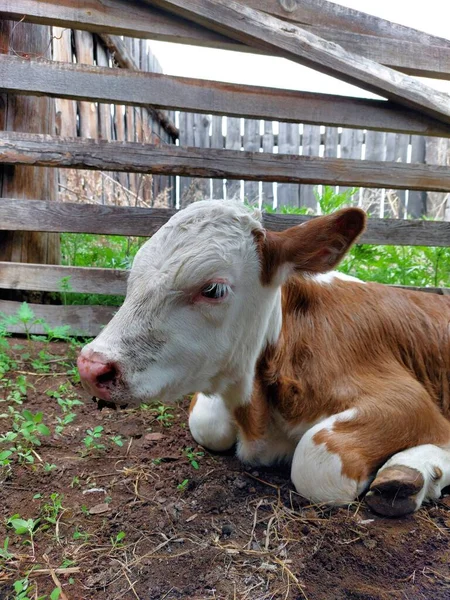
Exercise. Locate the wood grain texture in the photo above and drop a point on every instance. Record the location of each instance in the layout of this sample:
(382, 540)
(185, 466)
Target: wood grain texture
(22, 113)
(82, 320)
(120, 220)
(260, 30)
(120, 86)
(50, 151)
(87, 280)
(20, 276)
(124, 59)
(388, 43)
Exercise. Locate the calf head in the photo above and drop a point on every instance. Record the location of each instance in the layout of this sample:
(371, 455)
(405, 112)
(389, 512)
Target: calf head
(203, 300)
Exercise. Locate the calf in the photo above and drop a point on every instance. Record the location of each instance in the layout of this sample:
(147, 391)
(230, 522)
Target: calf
(349, 381)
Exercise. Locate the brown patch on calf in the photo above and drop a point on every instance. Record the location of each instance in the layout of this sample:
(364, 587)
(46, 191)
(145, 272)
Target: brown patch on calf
(193, 402)
(383, 351)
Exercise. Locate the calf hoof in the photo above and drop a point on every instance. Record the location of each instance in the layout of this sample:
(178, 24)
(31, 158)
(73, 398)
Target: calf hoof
(394, 491)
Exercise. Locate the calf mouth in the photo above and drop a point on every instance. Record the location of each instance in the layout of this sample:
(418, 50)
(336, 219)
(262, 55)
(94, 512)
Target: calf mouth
(101, 404)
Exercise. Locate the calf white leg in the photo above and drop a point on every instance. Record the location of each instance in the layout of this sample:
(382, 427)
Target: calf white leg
(410, 478)
(317, 473)
(211, 423)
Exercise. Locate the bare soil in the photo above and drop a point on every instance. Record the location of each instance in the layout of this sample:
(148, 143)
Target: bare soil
(216, 532)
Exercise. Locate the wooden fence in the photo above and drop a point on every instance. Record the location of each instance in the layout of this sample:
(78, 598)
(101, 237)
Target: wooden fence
(118, 93)
(213, 131)
(34, 215)
(101, 120)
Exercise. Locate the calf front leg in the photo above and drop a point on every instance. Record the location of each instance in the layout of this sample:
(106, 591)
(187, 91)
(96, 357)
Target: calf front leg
(410, 478)
(211, 423)
(337, 459)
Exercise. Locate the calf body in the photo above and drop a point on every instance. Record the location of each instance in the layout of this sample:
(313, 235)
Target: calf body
(346, 380)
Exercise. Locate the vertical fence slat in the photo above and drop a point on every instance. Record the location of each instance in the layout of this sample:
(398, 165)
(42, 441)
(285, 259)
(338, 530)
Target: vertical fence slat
(202, 125)
(186, 139)
(252, 142)
(217, 142)
(288, 143)
(437, 152)
(267, 146)
(331, 142)
(310, 147)
(84, 46)
(373, 199)
(233, 142)
(65, 116)
(417, 201)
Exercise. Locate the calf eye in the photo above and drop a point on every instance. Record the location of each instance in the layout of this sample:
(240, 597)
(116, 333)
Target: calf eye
(215, 291)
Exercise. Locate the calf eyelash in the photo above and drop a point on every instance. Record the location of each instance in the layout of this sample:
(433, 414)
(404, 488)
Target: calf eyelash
(215, 291)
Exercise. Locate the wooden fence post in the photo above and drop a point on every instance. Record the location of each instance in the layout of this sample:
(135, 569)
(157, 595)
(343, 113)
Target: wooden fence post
(32, 115)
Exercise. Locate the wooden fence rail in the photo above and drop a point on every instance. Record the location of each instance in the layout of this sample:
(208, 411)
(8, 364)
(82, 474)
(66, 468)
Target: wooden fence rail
(397, 46)
(51, 151)
(97, 84)
(37, 215)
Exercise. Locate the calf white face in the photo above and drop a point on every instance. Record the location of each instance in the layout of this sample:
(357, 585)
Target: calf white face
(203, 300)
(193, 312)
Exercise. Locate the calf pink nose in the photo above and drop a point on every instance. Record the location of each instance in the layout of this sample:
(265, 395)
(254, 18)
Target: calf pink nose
(98, 375)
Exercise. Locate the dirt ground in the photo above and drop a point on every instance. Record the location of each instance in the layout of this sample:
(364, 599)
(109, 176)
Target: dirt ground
(140, 521)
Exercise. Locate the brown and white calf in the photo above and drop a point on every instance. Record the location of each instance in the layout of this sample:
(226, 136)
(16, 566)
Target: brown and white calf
(349, 381)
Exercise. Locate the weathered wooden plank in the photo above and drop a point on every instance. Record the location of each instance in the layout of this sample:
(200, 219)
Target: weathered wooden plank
(260, 30)
(417, 200)
(441, 291)
(267, 146)
(340, 17)
(104, 110)
(124, 59)
(35, 215)
(110, 282)
(233, 142)
(331, 142)
(373, 200)
(45, 150)
(251, 144)
(48, 278)
(288, 143)
(21, 113)
(351, 144)
(310, 147)
(388, 43)
(217, 142)
(437, 152)
(123, 86)
(186, 138)
(87, 111)
(82, 320)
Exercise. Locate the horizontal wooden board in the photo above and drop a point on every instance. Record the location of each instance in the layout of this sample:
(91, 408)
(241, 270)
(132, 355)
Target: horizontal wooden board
(391, 44)
(89, 280)
(48, 278)
(51, 151)
(82, 320)
(430, 290)
(260, 30)
(82, 82)
(38, 215)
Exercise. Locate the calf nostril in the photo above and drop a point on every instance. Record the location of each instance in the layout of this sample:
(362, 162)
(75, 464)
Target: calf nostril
(109, 375)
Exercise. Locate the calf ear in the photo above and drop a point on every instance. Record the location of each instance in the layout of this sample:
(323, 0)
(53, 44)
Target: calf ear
(316, 246)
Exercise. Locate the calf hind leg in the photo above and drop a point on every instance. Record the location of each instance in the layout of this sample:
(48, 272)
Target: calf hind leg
(408, 479)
